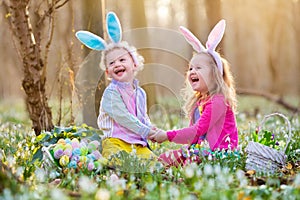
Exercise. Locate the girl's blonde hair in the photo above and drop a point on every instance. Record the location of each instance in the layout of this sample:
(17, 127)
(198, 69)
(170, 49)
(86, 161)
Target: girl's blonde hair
(224, 85)
(136, 57)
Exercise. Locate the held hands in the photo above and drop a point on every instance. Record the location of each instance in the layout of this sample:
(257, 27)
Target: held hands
(157, 135)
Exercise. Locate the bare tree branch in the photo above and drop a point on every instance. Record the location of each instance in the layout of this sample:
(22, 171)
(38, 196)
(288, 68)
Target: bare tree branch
(271, 97)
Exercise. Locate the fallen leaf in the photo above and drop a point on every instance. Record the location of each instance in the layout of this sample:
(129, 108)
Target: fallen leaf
(250, 172)
(289, 166)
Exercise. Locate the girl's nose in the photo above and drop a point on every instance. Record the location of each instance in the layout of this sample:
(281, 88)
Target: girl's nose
(192, 71)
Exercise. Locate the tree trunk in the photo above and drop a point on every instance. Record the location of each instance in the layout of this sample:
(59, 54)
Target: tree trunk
(92, 87)
(138, 20)
(34, 76)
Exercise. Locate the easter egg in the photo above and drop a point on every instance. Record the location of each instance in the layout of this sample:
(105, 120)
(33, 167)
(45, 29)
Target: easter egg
(58, 153)
(84, 151)
(61, 141)
(64, 160)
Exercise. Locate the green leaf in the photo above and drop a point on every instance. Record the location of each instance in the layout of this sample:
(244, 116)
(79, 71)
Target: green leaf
(37, 156)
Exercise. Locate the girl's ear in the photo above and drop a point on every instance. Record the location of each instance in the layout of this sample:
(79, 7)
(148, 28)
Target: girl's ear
(216, 35)
(91, 40)
(191, 38)
(113, 27)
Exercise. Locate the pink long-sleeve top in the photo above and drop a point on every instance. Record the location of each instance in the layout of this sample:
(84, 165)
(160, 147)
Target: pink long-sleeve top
(216, 124)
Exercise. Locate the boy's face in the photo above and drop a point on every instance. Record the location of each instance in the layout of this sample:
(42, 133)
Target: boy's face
(200, 73)
(119, 65)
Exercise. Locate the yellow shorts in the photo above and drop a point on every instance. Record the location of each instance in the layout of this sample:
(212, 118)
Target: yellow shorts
(125, 155)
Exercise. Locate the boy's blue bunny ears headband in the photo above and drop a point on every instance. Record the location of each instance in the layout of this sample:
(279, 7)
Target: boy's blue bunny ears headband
(114, 32)
(214, 38)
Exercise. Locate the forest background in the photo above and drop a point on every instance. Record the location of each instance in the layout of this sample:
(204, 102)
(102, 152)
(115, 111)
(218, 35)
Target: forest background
(261, 43)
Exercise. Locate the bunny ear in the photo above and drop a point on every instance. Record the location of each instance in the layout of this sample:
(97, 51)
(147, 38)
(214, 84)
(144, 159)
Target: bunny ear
(91, 40)
(113, 26)
(216, 35)
(191, 38)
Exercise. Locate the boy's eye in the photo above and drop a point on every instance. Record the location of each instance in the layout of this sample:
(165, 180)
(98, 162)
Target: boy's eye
(122, 59)
(111, 63)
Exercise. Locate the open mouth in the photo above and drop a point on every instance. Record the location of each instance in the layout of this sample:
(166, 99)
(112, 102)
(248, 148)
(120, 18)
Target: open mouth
(194, 79)
(119, 70)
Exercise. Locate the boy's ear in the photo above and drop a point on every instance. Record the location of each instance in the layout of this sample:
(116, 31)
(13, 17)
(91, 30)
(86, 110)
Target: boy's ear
(106, 72)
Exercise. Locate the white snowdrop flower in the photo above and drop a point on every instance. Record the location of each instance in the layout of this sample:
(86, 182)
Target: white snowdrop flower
(151, 186)
(199, 173)
(19, 171)
(218, 169)
(172, 156)
(40, 174)
(174, 192)
(283, 186)
(209, 157)
(53, 174)
(194, 166)
(262, 187)
(167, 154)
(297, 180)
(58, 194)
(198, 185)
(113, 177)
(170, 171)
(230, 179)
(243, 182)
(11, 161)
(102, 194)
(116, 183)
(227, 139)
(189, 171)
(208, 169)
(7, 194)
(240, 174)
(87, 185)
(225, 170)
(211, 183)
(133, 150)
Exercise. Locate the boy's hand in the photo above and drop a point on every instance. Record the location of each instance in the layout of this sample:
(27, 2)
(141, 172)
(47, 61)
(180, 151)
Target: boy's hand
(153, 130)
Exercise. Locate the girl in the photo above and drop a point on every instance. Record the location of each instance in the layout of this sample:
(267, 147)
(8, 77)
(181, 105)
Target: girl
(210, 104)
(123, 112)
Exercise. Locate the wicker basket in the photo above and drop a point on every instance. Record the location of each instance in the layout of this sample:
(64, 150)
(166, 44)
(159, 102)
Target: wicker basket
(263, 158)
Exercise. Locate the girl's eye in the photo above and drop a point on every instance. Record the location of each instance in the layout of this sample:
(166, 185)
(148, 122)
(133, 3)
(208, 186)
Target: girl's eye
(111, 63)
(190, 69)
(198, 67)
(122, 59)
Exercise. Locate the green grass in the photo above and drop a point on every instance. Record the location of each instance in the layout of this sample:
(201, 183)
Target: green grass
(223, 178)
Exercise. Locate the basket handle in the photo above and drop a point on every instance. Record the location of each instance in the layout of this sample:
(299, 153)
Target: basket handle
(287, 121)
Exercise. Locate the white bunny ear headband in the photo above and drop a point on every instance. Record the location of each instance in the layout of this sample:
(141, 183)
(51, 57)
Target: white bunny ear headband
(114, 32)
(213, 40)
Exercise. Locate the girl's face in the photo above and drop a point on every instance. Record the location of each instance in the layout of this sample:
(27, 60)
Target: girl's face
(200, 73)
(119, 65)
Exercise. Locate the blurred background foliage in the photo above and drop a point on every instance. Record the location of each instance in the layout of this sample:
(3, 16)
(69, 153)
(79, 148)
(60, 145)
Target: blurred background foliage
(261, 42)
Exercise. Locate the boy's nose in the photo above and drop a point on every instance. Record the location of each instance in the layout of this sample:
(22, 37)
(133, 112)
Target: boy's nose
(117, 63)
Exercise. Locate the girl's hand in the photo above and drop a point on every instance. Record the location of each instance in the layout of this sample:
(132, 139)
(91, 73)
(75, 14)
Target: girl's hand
(160, 136)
